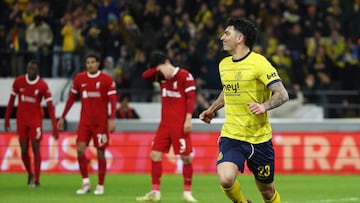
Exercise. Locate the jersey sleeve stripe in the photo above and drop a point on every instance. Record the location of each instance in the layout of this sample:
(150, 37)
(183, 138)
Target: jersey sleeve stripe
(13, 93)
(111, 92)
(48, 99)
(74, 91)
(190, 88)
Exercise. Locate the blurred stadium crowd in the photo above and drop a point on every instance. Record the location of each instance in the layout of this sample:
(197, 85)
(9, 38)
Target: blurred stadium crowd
(314, 44)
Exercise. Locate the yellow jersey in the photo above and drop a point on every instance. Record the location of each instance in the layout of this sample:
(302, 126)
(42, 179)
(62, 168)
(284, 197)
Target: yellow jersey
(244, 81)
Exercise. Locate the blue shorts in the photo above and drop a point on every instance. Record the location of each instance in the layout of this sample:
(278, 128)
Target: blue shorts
(259, 157)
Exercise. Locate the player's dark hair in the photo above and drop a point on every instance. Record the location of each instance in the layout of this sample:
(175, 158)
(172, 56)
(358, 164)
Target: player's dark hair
(96, 57)
(157, 58)
(246, 27)
(33, 61)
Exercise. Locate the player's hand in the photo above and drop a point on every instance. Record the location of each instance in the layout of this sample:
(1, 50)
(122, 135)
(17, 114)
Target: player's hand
(187, 126)
(60, 124)
(112, 125)
(206, 116)
(7, 128)
(256, 108)
(55, 134)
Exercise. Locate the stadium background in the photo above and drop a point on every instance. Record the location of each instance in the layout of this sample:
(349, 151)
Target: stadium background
(126, 31)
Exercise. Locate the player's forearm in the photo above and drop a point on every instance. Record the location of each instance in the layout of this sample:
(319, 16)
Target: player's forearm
(190, 102)
(9, 108)
(218, 103)
(113, 101)
(279, 97)
(52, 116)
(68, 105)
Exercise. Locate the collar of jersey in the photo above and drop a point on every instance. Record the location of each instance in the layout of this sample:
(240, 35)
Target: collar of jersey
(31, 82)
(93, 75)
(242, 58)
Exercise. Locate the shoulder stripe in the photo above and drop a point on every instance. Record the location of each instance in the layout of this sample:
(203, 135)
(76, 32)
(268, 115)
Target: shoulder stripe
(111, 92)
(190, 88)
(48, 99)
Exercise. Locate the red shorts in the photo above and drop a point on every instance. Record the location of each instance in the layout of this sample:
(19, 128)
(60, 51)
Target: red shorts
(167, 136)
(99, 134)
(29, 132)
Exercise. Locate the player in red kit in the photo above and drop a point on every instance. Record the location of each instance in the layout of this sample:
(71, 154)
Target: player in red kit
(96, 89)
(30, 89)
(178, 95)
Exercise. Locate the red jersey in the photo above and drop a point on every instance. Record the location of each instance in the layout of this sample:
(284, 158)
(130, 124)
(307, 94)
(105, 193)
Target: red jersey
(30, 94)
(95, 91)
(175, 98)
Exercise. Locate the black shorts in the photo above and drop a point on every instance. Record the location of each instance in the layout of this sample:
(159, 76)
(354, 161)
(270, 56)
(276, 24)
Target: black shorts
(259, 157)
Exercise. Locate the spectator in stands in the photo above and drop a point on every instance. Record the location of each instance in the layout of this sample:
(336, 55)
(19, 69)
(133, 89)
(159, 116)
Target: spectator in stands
(69, 35)
(139, 21)
(30, 12)
(282, 61)
(309, 89)
(140, 89)
(56, 26)
(39, 38)
(327, 84)
(109, 67)
(125, 111)
(4, 60)
(93, 41)
(30, 90)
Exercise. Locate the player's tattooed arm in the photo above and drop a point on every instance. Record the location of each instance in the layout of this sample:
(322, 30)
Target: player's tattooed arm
(279, 96)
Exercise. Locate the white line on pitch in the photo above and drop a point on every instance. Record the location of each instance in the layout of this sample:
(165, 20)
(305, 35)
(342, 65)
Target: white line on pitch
(348, 199)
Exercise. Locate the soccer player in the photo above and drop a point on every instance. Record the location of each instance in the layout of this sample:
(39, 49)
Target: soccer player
(178, 101)
(96, 89)
(30, 89)
(251, 87)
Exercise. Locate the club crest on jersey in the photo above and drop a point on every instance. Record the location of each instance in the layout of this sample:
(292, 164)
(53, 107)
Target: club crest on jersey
(36, 92)
(175, 84)
(97, 85)
(238, 76)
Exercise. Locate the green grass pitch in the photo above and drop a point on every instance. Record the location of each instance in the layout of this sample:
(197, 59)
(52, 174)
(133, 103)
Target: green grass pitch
(123, 188)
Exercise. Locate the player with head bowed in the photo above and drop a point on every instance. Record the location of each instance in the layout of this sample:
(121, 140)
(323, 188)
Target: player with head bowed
(178, 99)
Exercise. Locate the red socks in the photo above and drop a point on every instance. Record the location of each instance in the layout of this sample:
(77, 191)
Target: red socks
(187, 174)
(37, 166)
(156, 172)
(102, 171)
(83, 166)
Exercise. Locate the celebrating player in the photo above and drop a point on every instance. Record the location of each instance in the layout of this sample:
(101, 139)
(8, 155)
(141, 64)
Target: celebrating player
(251, 87)
(96, 90)
(178, 101)
(30, 89)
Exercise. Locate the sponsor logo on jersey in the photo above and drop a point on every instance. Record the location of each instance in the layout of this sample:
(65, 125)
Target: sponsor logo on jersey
(28, 99)
(92, 94)
(233, 88)
(170, 93)
(272, 75)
